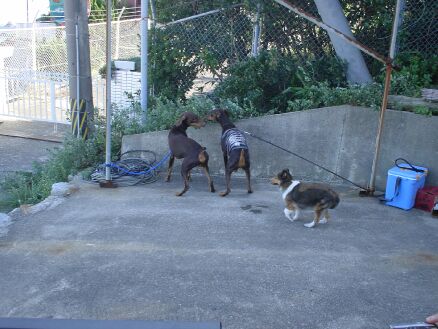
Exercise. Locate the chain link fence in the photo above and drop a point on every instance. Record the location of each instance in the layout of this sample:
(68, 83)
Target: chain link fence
(216, 41)
(34, 74)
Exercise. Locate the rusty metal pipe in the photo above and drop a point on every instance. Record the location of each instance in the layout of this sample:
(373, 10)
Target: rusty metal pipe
(371, 187)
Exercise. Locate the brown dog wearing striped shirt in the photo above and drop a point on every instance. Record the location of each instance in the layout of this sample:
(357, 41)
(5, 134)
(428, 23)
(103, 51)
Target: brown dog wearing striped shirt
(234, 148)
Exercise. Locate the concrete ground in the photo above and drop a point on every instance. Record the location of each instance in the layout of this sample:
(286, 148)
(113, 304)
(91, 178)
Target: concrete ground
(142, 253)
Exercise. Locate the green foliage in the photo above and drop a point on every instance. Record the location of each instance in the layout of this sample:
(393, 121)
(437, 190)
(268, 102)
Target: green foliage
(417, 71)
(175, 66)
(423, 110)
(266, 81)
(98, 8)
(102, 70)
(322, 95)
(165, 112)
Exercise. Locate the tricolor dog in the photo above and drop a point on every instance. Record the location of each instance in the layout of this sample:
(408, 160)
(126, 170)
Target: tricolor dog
(298, 195)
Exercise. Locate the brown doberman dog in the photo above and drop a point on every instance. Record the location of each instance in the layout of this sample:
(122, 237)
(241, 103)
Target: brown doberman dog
(183, 147)
(234, 148)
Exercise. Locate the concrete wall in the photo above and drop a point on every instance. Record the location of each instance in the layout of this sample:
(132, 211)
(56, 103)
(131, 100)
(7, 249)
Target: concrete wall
(340, 138)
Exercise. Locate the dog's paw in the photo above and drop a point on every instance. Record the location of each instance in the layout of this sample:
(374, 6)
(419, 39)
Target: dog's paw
(225, 193)
(310, 225)
(250, 191)
(287, 213)
(323, 221)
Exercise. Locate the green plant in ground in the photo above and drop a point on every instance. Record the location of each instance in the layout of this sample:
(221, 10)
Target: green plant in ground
(423, 110)
(417, 71)
(322, 95)
(266, 82)
(175, 65)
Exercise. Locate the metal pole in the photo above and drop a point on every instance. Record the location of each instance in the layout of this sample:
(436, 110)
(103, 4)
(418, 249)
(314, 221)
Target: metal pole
(154, 40)
(116, 55)
(78, 84)
(144, 59)
(256, 33)
(52, 101)
(34, 54)
(108, 91)
(397, 22)
(380, 128)
(178, 21)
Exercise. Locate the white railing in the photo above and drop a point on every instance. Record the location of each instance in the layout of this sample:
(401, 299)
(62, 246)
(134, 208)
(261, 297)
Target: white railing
(34, 96)
(45, 96)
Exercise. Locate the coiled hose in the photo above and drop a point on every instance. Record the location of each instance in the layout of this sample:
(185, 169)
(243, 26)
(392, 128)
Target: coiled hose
(134, 167)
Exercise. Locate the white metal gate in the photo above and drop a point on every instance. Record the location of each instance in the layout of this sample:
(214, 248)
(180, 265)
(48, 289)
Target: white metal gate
(41, 96)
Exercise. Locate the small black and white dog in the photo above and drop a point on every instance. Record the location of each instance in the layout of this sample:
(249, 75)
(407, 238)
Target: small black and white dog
(298, 195)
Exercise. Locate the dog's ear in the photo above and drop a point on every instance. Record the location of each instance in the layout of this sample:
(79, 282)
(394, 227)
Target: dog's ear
(181, 119)
(226, 112)
(285, 174)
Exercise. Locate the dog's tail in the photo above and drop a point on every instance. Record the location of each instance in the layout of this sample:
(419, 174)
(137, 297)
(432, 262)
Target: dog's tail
(330, 200)
(242, 162)
(334, 200)
(203, 156)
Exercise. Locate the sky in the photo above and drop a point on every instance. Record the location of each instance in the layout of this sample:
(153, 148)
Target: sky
(15, 11)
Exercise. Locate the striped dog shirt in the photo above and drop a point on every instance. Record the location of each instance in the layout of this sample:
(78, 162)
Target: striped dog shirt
(234, 139)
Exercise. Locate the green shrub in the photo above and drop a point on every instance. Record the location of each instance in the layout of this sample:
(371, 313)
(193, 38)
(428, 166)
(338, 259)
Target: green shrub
(322, 95)
(423, 110)
(416, 71)
(265, 81)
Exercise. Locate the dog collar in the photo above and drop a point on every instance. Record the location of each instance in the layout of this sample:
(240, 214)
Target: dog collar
(290, 188)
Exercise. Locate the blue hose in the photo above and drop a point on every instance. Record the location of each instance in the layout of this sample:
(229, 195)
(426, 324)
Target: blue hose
(139, 173)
